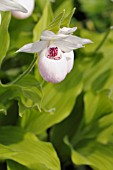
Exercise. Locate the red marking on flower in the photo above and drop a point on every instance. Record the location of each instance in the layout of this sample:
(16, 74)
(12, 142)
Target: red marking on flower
(53, 52)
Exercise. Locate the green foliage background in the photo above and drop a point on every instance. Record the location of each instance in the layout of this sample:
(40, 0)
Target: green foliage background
(67, 126)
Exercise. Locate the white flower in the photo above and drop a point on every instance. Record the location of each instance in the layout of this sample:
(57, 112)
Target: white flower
(56, 56)
(52, 64)
(29, 5)
(11, 5)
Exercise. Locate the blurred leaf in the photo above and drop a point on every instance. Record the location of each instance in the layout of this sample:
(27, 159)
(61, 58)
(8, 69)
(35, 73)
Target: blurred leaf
(26, 149)
(67, 5)
(101, 106)
(55, 24)
(20, 33)
(44, 21)
(98, 12)
(95, 6)
(41, 3)
(67, 19)
(89, 132)
(11, 116)
(96, 67)
(4, 35)
(58, 100)
(67, 127)
(3, 109)
(94, 155)
(11, 165)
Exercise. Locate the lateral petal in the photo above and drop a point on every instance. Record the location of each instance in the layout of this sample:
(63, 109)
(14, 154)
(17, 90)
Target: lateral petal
(78, 40)
(35, 47)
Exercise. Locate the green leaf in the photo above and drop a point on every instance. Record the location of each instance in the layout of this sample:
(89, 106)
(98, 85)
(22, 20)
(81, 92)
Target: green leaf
(4, 35)
(101, 106)
(41, 4)
(68, 127)
(55, 24)
(44, 21)
(89, 62)
(67, 5)
(11, 165)
(94, 7)
(27, 92)
(58, 100)
(3, 109)
(94, 155)
(25, 149)
(67, 19)
(20, 33)
(89, 131)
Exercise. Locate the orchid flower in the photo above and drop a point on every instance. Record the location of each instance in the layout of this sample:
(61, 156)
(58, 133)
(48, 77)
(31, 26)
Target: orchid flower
(10, 5)
(56, 56)
(29, 5)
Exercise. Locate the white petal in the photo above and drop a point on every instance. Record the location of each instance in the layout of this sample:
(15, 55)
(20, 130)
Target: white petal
(35, 47)
(67, 46)
(71, 42)
(77, 40)
(29, 5)
(11, 5)
(70, 60)
(66, 30)
(0, 18)
(49, 35)
(51, 70)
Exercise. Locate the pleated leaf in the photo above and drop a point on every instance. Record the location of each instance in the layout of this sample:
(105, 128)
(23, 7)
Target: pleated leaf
(27, 92)
(25, 149)
(58, 101)
(4, 35)
(87, 132)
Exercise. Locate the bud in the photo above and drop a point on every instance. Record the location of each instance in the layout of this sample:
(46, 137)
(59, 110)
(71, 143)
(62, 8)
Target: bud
(29, 5)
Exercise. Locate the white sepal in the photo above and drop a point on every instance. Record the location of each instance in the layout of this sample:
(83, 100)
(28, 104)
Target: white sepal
(67, 30)
(53, 71)
(77, 40)
(49, 35)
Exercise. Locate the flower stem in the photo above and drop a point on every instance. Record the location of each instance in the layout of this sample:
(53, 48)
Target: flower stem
(26, 71)
(103, 40)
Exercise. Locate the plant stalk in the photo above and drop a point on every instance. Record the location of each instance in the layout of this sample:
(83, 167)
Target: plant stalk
(26, 72)
(103, 40)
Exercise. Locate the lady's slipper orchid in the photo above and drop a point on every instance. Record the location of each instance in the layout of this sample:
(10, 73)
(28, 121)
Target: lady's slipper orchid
(56, 56)
(11, 5)
(29, 5)
(52, 64)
